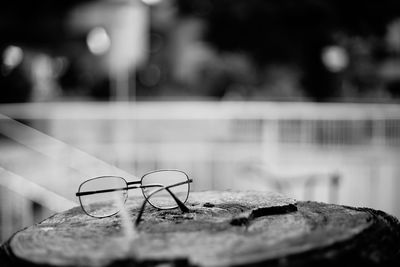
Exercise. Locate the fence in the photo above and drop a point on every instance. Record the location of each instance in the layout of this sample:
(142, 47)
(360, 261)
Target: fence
(344, 153)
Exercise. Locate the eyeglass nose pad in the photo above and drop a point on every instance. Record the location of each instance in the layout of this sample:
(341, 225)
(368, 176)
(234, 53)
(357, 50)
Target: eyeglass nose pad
(125, 194)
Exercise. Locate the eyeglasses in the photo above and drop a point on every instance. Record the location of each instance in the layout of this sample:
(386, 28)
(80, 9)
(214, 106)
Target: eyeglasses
(105, 196)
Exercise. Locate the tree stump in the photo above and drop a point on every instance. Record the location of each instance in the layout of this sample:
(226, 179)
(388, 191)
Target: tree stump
(221, 229)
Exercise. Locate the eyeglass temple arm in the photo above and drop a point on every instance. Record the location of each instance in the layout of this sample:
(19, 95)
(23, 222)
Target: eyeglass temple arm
(180, 203)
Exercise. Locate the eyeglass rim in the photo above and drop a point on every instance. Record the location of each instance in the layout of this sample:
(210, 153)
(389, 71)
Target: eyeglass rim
(163, 170)
(100, 177)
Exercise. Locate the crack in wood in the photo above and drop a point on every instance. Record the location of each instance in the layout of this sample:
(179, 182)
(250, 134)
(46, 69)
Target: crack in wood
(246, 217)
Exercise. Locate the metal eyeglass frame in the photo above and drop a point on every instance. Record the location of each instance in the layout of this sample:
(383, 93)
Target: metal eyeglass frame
(181, 205)
(135, 185)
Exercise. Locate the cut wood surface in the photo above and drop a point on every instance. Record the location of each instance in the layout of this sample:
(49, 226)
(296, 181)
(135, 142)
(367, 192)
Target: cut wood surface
(222, 229)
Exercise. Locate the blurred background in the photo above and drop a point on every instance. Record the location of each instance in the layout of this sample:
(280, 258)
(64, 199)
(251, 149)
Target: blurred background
(295, 96)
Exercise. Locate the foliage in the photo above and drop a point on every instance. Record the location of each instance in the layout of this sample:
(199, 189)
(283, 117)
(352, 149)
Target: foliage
(283, 29)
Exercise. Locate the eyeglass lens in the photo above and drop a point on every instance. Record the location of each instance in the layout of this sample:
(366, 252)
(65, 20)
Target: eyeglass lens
(106, 203)
(162, 199)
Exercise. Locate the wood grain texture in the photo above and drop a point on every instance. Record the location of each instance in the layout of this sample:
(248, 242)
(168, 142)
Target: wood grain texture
(221, 229)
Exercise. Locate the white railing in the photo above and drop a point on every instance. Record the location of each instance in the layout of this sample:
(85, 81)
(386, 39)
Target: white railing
(303, 147)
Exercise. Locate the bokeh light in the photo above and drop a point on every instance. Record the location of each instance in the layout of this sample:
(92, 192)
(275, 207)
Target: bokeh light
(98, 41)
(151, 2)
(335, 58)
(151, 76)
(12, 56)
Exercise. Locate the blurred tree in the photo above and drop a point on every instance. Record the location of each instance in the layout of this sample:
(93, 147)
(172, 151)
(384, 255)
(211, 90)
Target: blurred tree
(39, 24)
(291, 31)
(15, 87)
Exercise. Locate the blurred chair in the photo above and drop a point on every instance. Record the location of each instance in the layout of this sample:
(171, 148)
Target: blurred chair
(309, 183)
